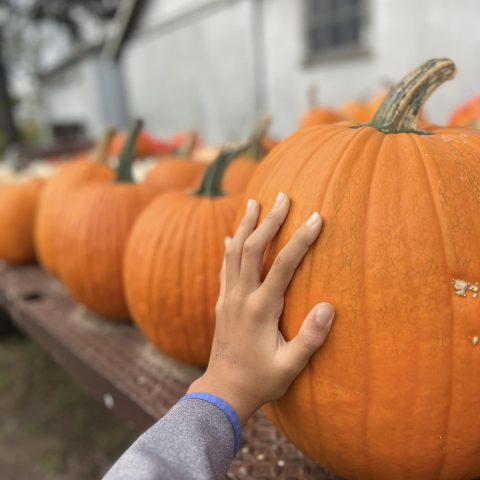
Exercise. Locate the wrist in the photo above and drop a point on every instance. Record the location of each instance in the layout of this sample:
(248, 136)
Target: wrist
(243, 405)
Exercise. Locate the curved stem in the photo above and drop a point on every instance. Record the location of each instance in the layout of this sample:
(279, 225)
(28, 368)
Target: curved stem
(401, 108)
(211, 184)
(186, 150)
(101, 152)
(255, 149)
(124, 169)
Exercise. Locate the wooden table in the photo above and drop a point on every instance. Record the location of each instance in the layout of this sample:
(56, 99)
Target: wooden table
(133, 379)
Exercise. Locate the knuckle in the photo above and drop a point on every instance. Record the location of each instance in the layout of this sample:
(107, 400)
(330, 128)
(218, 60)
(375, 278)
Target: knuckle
(254, 307)
(250, 247)
(281, 263)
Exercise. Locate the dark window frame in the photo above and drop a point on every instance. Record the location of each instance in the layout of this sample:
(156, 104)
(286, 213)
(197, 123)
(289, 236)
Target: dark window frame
(354, 50)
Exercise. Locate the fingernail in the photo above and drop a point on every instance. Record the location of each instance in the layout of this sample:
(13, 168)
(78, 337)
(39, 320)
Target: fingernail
(279, 200)
(250, 205)
(227, 241)
(324, 315)
(314, 218)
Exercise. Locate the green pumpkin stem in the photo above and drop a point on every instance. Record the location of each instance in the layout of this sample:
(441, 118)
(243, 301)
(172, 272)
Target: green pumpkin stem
(186, 150)
(211, 184)
(124, 169)
(401, 108)
(255, 149)
(101, 152)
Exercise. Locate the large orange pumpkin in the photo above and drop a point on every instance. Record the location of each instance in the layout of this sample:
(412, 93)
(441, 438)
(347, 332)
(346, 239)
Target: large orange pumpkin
(179, 171)
(317, 115)
(240, 171)
(394, 392)
(93, 229)
(172, 265)
(66, 180)
(18, 207)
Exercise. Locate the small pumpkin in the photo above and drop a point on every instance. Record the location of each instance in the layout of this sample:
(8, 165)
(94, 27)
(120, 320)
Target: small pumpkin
(466, 115)
(172, 265)
(145, 146)
(393, 393)
(177, 172)
(93, 231)
(317, 115)
(18, 207)
(239, 172)
(69, 177)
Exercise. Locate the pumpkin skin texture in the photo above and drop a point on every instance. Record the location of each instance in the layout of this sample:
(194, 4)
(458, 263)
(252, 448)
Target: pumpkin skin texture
(392, 394)
(67, 179)
(18, 207)
(93, 231)
(173, 173)
(172, 264)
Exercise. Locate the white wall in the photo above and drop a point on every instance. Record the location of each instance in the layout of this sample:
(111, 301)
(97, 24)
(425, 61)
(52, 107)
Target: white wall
(197, 73)
(72, 96)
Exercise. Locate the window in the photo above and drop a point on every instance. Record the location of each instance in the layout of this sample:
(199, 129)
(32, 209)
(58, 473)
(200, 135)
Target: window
(335, 28)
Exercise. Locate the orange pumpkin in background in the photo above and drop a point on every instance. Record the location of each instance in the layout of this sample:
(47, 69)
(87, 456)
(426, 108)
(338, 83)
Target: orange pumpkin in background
(145, 146)
(239, 172)
(393, 394)
(177, 172)
(69, 177)
(93, 231)
(172, 265)
(466, 115)
(18, 207)
(317, 115)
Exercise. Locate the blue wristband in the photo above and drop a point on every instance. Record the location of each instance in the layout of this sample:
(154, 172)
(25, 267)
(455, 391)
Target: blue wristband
(226, 409)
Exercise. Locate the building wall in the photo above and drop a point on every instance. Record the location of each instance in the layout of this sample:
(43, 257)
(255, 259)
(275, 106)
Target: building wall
(214, 64)
(73, 96)
(193, 69)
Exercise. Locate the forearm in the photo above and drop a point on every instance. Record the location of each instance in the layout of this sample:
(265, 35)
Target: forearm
(195, 440)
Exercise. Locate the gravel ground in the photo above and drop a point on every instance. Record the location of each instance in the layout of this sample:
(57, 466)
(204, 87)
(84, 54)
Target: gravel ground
(51, 429)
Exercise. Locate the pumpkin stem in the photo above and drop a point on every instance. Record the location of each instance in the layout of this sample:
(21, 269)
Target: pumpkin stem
(186, 150)
(101, 151)
(313, 97)
(255, 149)
(401, 108)
(211, 184)
(124, 169)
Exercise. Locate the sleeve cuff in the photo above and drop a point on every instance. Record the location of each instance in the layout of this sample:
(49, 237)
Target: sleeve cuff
(226, 409)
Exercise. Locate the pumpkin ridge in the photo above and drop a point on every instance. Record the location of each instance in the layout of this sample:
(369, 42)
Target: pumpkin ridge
(443, 457)
(185, 283)
(367, 360)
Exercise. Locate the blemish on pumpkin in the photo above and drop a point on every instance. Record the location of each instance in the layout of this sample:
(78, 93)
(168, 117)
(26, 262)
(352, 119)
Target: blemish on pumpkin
(462, 287)
(475, 341)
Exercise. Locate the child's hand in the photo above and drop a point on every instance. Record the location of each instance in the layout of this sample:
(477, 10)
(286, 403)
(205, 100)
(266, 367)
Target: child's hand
(251, 363)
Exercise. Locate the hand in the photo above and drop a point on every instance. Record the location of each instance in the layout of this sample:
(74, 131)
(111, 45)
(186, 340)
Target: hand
(251, 363)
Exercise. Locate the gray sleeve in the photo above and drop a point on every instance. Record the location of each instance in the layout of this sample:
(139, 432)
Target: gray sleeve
(194, 440)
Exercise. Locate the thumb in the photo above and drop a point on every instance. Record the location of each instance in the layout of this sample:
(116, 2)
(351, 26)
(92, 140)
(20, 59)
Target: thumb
(310, 338)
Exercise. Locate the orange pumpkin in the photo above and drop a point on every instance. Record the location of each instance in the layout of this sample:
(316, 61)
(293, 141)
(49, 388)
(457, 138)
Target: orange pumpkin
(177, 172)
(466, 115)
(172, 265)
(319, 115)
(239, 172)
(393, 394)
(18, 207)
(93, 229)
(69, 177)
(145, 146)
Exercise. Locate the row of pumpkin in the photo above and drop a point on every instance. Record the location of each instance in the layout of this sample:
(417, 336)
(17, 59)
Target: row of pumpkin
(109, 239)
(391, 394)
